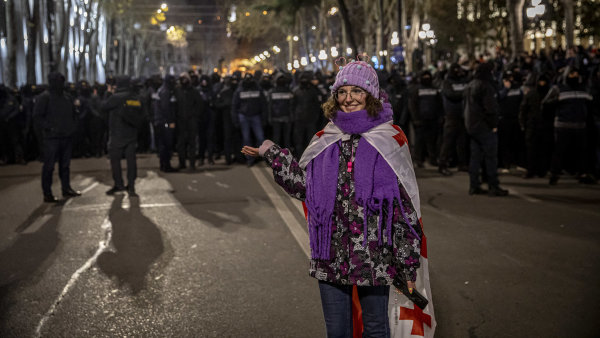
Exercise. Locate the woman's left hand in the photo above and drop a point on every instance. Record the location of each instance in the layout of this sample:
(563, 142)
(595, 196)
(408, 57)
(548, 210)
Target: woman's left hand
(250, 151)
(411, 286)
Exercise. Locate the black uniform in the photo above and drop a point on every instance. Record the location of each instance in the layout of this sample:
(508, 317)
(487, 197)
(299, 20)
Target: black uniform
(425, 106)
(58, 118)
(125, 116)
(455, 134)
(280, 111)
(510, 137)
(11, 140)
(207, 122)
(481, 121)
(232, 140)
(190, 109)
(164, 106)
(249, 110)
(538, 146)
(572, 105)
(305, 113)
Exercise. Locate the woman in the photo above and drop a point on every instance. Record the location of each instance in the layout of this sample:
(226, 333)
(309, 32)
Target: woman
(357, 182)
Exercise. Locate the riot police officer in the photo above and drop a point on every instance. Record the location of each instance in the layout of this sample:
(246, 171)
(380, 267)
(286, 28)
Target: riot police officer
(165, 107)
(280, 110)
(572, 108)
(125, 116)
(190, 108)
(455, 134)
(425, 106)
(248, 107)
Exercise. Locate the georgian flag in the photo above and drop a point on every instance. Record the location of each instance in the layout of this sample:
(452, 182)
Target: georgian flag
(406, 319)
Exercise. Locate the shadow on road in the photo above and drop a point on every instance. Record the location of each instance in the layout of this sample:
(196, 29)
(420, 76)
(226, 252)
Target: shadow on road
(137, 242)
(225, 209)
(30, 251)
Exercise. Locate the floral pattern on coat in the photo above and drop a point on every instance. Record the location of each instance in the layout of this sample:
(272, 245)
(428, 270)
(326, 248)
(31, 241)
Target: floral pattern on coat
(351, 263)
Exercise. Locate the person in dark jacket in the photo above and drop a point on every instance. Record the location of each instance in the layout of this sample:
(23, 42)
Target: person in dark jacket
(305, 112)
(396, 90)
(280, 110)
(455, 134)
(248, 107)
(125, 116)
(11, 117)
(81, 146)
(31, 143)
(531, 120)
(595, 91)
(572, 104)
(97, 122)
(510, 137)
(165, 112)
(231, 134)
(481, 121)
(425, 106)
(206, 124)
(58, 115)
(190, 108)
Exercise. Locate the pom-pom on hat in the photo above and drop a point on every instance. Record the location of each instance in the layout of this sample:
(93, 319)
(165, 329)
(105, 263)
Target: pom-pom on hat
(357, 73)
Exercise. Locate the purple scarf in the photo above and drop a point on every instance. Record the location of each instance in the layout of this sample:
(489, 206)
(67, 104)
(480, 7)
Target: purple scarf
(376, 184)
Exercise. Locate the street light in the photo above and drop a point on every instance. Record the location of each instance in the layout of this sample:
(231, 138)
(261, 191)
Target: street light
(395, 39)
(322, 55)
(295, 38)
(334, 52)
(534, 13)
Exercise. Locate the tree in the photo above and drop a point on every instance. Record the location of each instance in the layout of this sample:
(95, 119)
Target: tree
(33, 27)
(569, 25)
(515, 17)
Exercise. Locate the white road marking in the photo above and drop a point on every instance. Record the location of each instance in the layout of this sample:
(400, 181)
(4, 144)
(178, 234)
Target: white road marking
(223, 185)
(68, 202)
(286, 214)
(37, 224)
(102, 246)
(88, 189)
(86, 181)
(225, 216)
(125, 205)
(523, 196)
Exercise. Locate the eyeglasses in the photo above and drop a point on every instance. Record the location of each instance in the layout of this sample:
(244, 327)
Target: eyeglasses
(355, 94)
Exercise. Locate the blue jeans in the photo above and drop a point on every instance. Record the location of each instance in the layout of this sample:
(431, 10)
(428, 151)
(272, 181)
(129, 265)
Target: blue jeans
(253, 123)
(337, 308)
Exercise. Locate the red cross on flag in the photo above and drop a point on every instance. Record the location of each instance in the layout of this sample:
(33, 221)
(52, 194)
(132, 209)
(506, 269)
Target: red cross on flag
(407, 319)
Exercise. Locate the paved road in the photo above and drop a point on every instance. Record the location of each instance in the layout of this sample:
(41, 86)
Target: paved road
(220, 253)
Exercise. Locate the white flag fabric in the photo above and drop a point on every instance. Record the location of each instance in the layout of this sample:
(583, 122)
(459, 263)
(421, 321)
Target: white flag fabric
(407, 319)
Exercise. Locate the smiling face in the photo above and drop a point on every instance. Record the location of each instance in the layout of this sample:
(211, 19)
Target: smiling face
(351, 98)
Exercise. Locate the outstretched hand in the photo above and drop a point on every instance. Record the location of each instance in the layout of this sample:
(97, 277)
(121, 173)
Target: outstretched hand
(250, 151)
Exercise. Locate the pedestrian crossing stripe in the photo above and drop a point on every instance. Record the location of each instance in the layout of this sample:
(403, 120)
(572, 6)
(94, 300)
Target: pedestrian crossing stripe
(134, 103)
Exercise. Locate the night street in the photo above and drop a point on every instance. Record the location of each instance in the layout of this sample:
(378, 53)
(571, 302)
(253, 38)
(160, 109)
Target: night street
(220, 253)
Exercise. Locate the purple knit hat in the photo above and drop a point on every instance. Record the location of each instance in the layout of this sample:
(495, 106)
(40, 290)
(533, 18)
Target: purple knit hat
(360, 74)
